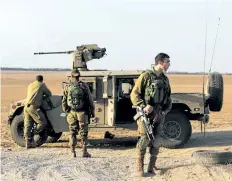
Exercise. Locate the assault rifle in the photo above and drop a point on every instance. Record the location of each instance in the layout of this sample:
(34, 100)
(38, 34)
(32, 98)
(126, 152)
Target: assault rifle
(147, 123)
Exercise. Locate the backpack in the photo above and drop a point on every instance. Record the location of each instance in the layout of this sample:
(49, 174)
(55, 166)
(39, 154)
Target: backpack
(156, 91)
(77, 96)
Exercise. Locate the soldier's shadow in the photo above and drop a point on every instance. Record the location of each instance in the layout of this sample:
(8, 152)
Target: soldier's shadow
(210, 139)
(162, 171)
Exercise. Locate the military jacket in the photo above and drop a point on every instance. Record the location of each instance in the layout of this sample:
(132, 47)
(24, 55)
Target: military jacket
(35, 92)
(142, 87)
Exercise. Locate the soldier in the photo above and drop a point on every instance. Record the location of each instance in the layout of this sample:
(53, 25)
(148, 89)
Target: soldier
(151, 91)
(35, 94)
(77, 102)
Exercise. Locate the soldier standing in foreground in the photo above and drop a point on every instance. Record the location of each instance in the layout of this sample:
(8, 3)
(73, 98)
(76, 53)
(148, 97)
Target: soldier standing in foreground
(35, 94)
(152, 92)
(77, 102)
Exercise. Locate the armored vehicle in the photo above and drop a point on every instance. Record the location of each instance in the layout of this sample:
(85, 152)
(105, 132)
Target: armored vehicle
(113, 108)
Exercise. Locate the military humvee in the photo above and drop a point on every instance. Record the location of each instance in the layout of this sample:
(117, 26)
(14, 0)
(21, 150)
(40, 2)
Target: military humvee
(113, 108)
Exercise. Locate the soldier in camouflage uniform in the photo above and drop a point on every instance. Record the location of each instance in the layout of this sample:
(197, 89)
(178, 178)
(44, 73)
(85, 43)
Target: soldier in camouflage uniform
(77, 102)
(151, 91)
(35, 94)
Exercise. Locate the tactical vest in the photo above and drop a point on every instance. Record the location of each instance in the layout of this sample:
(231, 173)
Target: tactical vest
(157, 89)
(77, 96)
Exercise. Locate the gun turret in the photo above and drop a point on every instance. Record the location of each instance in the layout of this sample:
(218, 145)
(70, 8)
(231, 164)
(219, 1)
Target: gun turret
(81, 55)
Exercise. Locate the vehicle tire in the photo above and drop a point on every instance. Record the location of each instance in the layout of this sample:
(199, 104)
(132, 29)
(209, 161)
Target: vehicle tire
(53, 139)
(215, 89)
(17, 132)
(207, 157)
(175, 131)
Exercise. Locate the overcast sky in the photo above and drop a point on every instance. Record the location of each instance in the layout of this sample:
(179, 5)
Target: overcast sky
(133, 32)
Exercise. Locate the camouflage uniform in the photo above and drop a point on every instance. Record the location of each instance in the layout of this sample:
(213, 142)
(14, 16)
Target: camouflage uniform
(78, 120)
(138, 98)
(35, 93)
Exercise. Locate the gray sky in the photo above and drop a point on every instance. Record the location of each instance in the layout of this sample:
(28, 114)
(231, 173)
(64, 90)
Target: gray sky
(133, 32)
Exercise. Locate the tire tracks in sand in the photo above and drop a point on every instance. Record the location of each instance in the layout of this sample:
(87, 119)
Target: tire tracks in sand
(106, 164)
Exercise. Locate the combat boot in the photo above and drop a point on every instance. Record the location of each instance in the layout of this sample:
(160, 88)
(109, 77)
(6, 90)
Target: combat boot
(84, 147)
(140, 161)
(153, 157)
(30, 143)
(140, 166)
(151, 166)
(85, 152)
(72, 143)
(73, 151)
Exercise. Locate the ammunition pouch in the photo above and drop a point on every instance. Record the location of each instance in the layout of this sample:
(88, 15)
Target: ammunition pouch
(157, 90)
(79, 110)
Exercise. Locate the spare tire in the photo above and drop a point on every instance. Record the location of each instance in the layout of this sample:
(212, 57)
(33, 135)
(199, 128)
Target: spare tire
(215, 89)
(207, 157)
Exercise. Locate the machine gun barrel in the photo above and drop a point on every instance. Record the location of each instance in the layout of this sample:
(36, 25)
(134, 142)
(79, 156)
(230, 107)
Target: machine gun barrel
(44, 53)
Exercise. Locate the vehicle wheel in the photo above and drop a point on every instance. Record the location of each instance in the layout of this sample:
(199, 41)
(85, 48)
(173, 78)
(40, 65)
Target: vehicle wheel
(17, 132)
(53, 139)
(215, 89)
(207, 157)
(176, 130)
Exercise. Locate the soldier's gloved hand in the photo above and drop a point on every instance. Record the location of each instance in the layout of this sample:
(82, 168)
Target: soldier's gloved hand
(148, 109)
(68, 109)
(92, 114)
(163, 112)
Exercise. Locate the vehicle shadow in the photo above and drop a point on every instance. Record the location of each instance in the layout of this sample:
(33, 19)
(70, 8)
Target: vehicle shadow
(115, 143)
(211, 139)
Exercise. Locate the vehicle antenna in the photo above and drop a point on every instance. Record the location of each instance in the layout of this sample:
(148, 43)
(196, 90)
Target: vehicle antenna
(210, 68)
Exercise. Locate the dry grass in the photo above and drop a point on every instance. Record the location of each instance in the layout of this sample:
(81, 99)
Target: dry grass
(14, 85)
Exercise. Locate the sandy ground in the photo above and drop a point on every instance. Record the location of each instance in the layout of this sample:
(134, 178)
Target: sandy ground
(112, 161)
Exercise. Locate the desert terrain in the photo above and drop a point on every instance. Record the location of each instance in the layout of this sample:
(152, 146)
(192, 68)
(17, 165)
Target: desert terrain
(112, 162)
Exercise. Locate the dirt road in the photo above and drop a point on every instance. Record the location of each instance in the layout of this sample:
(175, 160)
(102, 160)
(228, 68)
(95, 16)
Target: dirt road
(112, 162)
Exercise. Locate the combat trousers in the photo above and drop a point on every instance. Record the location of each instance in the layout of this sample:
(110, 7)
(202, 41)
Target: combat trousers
(78, 121)
(31, 114)
(143, 143)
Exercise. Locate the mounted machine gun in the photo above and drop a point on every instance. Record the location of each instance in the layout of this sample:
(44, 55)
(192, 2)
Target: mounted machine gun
(81, 55)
